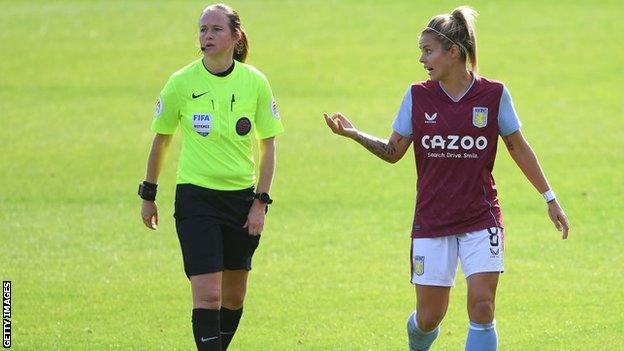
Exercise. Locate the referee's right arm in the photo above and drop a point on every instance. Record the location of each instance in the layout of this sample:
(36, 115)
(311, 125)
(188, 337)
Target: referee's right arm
(160, 145)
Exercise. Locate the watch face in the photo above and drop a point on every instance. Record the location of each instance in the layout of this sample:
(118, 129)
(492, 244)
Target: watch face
(264, 197)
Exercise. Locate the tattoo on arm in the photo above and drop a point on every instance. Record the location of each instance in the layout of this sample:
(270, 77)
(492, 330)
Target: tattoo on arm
(508, 143)
(384, 149)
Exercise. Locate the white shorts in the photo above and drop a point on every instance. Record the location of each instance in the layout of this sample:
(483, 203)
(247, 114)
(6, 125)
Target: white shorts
(434, 260)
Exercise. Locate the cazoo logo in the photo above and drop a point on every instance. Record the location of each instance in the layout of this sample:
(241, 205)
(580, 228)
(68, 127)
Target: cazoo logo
(453, 142)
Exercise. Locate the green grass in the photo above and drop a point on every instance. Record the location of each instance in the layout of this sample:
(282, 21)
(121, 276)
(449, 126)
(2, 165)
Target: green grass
(78, 82)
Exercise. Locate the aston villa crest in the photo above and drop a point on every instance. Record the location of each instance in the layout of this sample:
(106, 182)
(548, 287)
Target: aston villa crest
(419, 265)
(479, 116)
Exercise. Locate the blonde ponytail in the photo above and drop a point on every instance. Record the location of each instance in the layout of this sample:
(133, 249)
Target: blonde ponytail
(465, 16)
(457, 28)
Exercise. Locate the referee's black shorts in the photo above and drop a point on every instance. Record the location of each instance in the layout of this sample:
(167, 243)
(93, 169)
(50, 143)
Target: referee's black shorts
(210, 228)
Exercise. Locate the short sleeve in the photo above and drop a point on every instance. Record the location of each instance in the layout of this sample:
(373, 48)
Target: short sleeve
(268, 120)
(508, 121)
(403, 121)
(167, 113)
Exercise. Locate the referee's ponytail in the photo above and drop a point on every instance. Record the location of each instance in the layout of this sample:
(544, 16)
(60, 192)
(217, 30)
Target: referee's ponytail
(242, 46)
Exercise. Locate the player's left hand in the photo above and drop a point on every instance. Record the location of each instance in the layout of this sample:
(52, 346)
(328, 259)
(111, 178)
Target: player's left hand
(559, 218)
(255, 218)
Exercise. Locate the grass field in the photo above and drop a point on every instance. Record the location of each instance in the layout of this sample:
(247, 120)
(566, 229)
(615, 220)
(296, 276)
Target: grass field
(78, 82)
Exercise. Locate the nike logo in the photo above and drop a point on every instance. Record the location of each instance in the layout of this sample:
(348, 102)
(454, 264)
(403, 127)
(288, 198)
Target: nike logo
(202, 339)
(196, 96)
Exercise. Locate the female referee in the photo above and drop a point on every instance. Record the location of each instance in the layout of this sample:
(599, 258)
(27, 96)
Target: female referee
(454, 120)
(219, 103)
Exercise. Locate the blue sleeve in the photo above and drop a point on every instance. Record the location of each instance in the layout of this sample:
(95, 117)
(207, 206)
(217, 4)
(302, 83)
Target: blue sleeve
(508, 121)
(403, 121)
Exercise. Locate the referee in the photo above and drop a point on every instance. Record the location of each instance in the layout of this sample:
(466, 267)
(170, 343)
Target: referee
(219, 103)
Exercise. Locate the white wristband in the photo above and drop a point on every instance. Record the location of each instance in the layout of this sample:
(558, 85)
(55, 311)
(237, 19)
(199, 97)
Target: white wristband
(549, 195)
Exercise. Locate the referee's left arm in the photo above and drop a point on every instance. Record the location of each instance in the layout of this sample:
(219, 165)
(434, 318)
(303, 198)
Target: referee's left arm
(267, 165)
(268, 123)
(255, 219)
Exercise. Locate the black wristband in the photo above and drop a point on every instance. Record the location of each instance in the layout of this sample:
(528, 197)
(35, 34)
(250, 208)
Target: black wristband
(147, 191)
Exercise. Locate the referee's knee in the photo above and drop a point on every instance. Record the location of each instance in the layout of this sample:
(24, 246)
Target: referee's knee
(233, 300)
(210, 299)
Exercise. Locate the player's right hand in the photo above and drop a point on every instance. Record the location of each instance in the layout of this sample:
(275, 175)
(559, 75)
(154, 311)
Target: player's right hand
(339, 124)
(149, 214)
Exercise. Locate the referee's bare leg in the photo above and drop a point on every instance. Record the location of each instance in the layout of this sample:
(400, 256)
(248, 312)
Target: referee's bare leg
(206, 290)
(233, 289)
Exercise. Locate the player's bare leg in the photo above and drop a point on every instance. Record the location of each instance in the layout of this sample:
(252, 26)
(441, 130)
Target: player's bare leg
(423, 325)
(481, 305)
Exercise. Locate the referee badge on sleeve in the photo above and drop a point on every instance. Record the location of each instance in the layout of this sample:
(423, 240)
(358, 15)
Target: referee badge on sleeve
(274, 110)
(159, 108)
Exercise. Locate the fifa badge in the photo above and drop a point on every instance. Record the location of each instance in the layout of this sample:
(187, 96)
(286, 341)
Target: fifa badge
(202, 123)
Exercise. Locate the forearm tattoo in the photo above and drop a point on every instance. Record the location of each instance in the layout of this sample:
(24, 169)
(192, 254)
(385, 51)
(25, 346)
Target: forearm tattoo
(384, 149)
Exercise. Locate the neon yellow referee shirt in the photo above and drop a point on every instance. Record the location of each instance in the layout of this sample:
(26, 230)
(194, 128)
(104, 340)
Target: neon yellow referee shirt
(218, 116)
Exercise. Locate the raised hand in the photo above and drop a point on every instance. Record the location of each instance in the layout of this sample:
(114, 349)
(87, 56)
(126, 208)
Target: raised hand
(339, 124)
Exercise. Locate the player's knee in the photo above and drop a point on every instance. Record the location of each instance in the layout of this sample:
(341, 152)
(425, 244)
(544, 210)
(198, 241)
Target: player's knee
(233, 300)
(482, 311)
(429, 320)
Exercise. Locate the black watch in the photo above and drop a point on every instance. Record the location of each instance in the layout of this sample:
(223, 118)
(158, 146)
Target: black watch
(147, 191)
(264, 197)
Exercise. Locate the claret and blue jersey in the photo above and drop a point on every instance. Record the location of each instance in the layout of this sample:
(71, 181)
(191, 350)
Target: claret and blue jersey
(455, 147)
